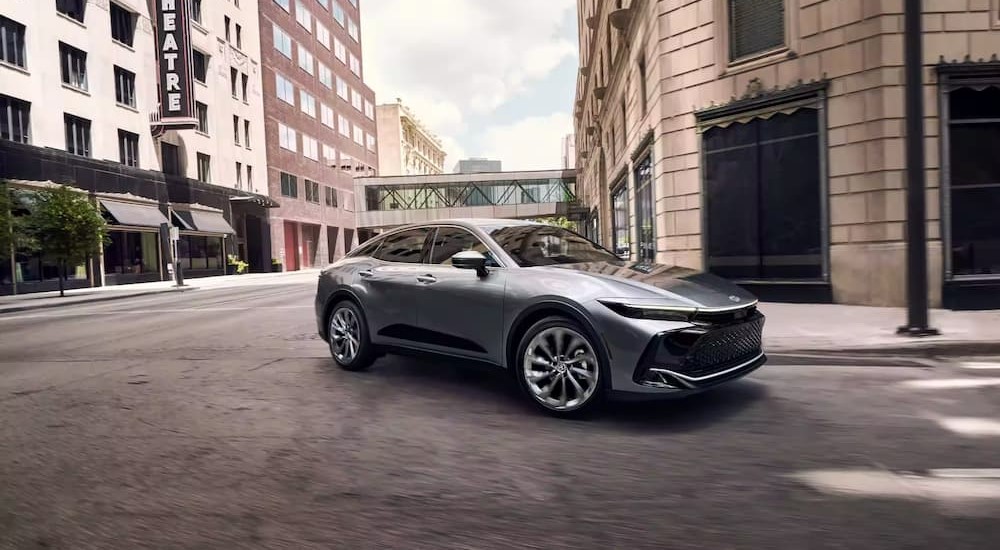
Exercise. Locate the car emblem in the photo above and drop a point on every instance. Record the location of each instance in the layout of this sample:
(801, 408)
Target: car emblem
(734, 298)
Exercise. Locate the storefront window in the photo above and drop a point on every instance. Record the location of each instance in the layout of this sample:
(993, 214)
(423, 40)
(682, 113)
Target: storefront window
(763, 198)
(200, 252)
(132, 252)
(974, 139)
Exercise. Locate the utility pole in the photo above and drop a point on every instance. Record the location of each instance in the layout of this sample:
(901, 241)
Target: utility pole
(916, 207)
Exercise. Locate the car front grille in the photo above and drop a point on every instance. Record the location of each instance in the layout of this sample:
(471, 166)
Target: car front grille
(724, 348)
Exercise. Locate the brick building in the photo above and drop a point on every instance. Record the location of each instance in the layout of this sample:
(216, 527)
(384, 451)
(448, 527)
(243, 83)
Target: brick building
(319, 123)
(763, 140)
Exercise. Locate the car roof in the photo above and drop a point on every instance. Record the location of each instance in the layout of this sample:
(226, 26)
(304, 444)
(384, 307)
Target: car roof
(469, 222)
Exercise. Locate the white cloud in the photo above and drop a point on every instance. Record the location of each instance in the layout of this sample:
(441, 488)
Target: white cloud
(456, 61)
(532, 143)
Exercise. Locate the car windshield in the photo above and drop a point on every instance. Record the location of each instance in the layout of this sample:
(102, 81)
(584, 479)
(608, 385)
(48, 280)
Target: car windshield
(538, 245)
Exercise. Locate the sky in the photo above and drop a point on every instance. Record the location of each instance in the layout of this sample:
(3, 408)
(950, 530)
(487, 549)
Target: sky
(492, 78)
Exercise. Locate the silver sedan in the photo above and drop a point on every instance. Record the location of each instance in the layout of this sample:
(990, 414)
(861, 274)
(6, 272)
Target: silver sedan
(571, 321)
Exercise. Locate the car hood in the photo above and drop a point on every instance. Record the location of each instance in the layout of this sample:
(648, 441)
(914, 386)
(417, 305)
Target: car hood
(681, 285)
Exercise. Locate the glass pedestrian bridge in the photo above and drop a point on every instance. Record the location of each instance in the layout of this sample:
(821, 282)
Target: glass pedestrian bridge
(385, 202)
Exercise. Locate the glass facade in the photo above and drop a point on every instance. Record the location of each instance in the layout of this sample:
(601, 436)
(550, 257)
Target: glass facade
(200, 252)
(132, 252)
(478, 193)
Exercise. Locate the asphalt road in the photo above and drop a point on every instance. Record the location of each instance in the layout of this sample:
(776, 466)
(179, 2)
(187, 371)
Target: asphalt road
(216, 419)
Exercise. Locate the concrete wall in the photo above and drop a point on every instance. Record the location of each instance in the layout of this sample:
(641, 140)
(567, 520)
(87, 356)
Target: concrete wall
(856, 44)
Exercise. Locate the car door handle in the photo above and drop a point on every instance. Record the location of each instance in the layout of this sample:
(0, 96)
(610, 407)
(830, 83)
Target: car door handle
(367, 273)
(426, 278)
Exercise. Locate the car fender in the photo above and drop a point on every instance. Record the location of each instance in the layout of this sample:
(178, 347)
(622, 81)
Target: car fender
(566, 307)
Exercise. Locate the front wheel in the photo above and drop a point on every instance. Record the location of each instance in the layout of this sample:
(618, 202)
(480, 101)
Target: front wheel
(559, 368)
(348, 337)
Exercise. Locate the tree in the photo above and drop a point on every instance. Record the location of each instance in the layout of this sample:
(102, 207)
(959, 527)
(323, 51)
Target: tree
(67, 228)
(14, 235)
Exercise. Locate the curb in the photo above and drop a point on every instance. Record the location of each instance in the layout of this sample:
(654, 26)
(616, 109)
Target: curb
(926, 350)
(111, 296)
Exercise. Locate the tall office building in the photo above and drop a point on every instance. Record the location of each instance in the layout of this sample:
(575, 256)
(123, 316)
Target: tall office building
(406, 146)
(320, 126)
(79, 106)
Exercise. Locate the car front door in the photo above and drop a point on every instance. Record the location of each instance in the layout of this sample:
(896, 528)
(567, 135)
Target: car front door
(388, 286)
(460, 312)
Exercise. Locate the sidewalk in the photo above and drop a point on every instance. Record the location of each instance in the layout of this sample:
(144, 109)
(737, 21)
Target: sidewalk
(827, 329)
(45, 300)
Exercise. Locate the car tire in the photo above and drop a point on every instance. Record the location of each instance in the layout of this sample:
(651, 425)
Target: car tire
(347, 336)
(561, 369)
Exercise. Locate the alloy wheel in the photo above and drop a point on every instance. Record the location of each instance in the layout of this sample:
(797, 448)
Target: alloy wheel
(560, 369)
(345, 335)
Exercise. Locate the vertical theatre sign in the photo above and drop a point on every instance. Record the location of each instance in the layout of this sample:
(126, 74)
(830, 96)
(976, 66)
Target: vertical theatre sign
(175, 63)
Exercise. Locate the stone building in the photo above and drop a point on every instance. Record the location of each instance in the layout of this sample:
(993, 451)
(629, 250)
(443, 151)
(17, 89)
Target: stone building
(407, 147)
(763, 140)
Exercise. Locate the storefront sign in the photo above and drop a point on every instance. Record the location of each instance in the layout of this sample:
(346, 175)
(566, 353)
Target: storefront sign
(175, 63)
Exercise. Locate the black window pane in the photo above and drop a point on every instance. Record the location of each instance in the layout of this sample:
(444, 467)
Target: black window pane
(73, 64)
(15, 118)
(790, 237)
(170, 158)
(975, 154)
(967, 103)
(755, 26)
(449, 241)
(204, 168)
(196, 10)
(11, 42)
(72, 8)
(202, 111)
(289, 185)
(77, 135)
(644, 208)
(200, 66)
(620, 221)
(128, 148)
(731, 202)
(124, 87)
(404, 247)
(975, 231)
(122, 25)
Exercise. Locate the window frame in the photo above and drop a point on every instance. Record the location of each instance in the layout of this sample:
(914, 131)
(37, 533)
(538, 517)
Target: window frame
(312, 191)
(947, 83)
(725, 65)
(23, 109)
(80, 128)
(126, 141)
(79, 4)
(201, 113)
(20, 52)
(307, 103)
(621, 189)
(204, 165)
(196, 53)
(648, 187)
(279, 38)
(69, 56)
(115, 24)
(303, 55)
(125, 79)
(497, 262)
(284, 132)
(288, 185)
(280, 89)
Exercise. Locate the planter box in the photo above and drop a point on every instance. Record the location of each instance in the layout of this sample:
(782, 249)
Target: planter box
(276, 268)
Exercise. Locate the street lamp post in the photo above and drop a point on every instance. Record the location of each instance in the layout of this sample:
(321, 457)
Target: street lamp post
(916, 208)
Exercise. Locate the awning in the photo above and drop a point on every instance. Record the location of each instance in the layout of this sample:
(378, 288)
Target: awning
(141, 215)
(206, 222)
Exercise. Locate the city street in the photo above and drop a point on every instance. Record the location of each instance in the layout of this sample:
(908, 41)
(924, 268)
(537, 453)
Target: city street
(215, 418)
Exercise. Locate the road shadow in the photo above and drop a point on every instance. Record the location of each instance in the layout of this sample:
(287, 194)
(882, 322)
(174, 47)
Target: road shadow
(685, 414)
(478, 386)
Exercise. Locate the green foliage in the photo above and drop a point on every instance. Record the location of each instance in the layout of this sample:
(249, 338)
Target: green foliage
(14, 230)
(66, 225)
(241, 266)
(561, 221)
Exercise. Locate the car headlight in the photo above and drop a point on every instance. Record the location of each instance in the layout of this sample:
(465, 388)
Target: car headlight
(651, 312)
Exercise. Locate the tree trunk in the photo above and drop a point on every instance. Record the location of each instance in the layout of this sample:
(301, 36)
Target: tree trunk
(62, 278)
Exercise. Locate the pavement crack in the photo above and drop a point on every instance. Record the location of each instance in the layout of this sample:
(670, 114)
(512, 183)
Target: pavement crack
(271, 362)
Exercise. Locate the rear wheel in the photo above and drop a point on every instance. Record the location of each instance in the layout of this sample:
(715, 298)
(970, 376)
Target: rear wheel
(559, 368)
(348, 337)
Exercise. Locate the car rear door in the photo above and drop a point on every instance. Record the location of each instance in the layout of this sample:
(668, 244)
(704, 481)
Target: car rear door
(388, 286)
(459, 312)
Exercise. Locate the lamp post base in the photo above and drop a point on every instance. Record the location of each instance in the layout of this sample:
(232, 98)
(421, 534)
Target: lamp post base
(917, 332)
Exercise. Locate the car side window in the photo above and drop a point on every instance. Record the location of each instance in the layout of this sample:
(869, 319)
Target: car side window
(366, 249)
(405, 247)
(451, 240)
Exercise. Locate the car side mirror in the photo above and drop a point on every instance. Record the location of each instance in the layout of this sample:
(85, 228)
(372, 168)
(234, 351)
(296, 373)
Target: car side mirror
(470, 259)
